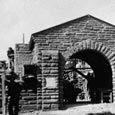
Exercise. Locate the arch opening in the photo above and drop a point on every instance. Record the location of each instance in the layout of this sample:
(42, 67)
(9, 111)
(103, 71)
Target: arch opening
(99, 66)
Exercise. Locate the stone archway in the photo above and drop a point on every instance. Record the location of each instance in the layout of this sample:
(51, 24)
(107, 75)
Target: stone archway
(100, 48)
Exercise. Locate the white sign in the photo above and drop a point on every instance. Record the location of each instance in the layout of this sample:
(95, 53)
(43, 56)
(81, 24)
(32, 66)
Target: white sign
(51, 83)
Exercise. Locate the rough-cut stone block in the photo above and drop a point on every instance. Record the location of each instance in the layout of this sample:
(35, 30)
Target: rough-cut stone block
(54, 96)
(46, 97)
(46, 71)
(46, 64)
(39, 101)
(54, 71)
(29, 107)
(54, 106)
(32, 102)
(49, 101)
(46, 106)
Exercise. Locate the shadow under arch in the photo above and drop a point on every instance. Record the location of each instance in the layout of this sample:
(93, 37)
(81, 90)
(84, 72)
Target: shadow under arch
(100, 66)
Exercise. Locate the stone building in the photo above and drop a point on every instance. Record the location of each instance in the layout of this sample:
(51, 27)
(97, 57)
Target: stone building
(87, 38)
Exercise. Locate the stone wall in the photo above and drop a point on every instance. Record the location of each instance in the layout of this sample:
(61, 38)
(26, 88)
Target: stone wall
(37, 60)
(23, 56)
(48, 49)
(73, 32)
(50, 80)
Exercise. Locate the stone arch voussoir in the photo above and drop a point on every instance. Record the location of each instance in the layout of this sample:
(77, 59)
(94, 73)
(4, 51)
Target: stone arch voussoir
(88, 44)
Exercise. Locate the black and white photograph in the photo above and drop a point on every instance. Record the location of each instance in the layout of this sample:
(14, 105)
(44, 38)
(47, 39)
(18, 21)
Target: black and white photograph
(57, 57)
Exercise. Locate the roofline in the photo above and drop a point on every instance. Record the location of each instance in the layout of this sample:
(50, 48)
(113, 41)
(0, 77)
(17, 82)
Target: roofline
(82, 17)
(53, 27)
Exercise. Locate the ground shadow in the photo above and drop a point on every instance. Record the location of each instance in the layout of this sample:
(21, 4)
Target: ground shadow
(71, 105)
(103, 113)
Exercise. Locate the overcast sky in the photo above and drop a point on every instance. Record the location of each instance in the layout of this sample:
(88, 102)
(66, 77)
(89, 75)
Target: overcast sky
(30, 16)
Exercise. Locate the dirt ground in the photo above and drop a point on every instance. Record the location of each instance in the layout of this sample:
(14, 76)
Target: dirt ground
(80, 109)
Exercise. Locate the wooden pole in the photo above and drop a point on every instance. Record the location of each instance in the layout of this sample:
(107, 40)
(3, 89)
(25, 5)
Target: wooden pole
(23, 38)
(3, 94)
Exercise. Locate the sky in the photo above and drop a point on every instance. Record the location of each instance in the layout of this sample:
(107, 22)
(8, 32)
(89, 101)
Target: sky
(30, 16)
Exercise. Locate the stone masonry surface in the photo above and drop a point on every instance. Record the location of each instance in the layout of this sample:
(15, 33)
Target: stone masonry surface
(47, 49)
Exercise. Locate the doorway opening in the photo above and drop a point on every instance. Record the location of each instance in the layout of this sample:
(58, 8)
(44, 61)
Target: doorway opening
(87, 78)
